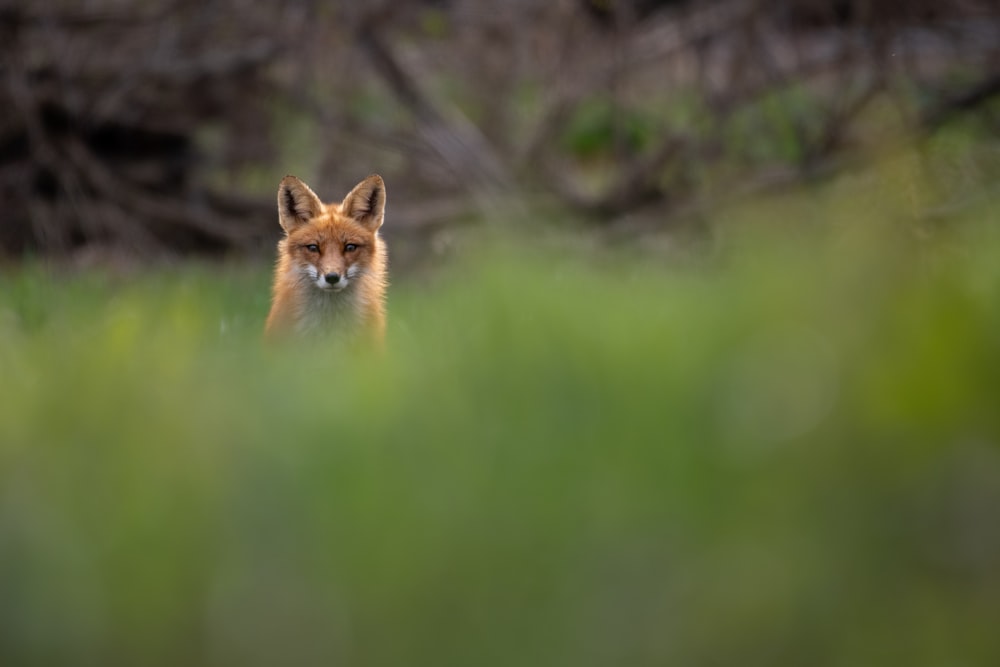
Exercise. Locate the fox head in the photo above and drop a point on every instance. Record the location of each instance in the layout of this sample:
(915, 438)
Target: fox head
(331, 245)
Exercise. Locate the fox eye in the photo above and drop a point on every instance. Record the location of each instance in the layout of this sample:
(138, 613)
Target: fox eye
(312, 247)
(350, 247)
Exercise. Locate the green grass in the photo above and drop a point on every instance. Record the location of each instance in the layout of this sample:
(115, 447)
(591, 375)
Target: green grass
(783, 453)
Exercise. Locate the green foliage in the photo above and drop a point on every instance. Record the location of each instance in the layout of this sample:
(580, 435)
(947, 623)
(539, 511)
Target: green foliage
(786, 454)
(434, 23)
(777, 128)
(598, 126)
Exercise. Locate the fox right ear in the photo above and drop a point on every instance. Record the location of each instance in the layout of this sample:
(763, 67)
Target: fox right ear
(366, 202)
(297, 204)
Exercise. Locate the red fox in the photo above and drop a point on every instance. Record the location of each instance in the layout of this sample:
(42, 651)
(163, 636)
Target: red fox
(331, 269)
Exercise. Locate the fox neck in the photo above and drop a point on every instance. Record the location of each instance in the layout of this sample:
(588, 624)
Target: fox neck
(322, 311)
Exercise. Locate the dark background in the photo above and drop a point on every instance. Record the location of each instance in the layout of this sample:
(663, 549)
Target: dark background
(163, 126)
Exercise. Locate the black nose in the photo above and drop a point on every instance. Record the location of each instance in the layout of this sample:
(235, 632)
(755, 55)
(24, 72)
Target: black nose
(332, 278)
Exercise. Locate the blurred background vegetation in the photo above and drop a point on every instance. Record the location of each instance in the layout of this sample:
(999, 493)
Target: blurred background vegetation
(694, 347)
(164, 125)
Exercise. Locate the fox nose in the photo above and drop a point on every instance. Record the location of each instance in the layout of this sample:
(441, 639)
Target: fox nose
(332, 278)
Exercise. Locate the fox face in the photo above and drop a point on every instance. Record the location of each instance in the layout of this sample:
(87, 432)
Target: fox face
(331, 245)
(331, 262)
(330, 253)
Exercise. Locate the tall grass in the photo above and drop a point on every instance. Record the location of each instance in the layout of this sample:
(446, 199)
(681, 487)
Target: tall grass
(787, 452)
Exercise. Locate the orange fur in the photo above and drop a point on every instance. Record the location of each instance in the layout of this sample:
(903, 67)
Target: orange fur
(331, 269)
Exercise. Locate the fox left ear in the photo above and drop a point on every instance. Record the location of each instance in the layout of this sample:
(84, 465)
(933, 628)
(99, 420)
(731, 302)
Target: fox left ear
(366, 202)
(297, 204)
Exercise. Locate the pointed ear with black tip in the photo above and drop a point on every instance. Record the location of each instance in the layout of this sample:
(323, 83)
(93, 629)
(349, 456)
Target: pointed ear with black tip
(297, 204)
(366, 202)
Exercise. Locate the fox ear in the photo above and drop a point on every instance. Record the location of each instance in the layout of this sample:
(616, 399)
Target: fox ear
(366, 202)
(297, 204)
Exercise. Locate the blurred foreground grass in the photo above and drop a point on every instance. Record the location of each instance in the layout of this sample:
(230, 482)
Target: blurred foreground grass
(788, 453)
